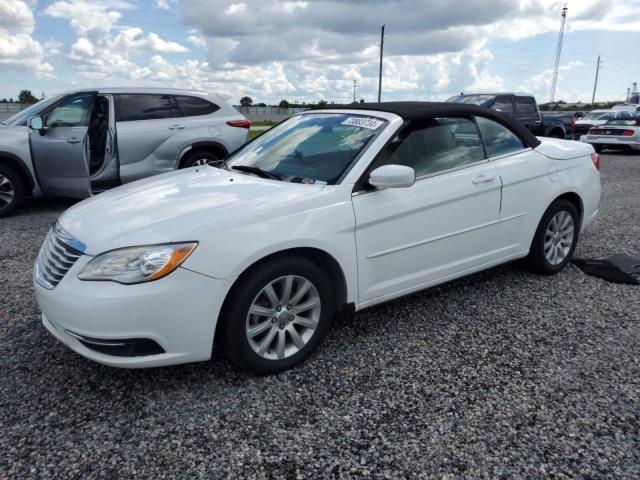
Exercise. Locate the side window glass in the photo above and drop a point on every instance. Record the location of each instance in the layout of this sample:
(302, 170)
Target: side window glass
(441, 144)
(525, 105)
(194, 106)
(72, 112)
(135, 106)
(503, 104)
(498, 139)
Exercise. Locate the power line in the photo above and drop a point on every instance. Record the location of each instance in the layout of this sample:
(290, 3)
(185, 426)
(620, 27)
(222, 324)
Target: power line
(563, 19)
(380, 75)
(595, 84)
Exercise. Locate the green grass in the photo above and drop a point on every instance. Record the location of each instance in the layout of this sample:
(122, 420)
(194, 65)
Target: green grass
(254, 133)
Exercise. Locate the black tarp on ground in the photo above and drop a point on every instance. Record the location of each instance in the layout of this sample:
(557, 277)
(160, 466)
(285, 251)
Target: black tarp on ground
(616, 268)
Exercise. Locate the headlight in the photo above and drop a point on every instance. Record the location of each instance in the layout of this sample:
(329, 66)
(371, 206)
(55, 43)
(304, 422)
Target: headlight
(137, 264)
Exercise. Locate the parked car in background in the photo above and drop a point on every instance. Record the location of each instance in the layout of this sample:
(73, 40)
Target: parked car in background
(626, 107)
(86, 141)
(524, 108)
(621, 133)
(598, 117)
(331, 211)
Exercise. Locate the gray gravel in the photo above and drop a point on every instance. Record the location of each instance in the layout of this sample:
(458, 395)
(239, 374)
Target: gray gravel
(504, 374)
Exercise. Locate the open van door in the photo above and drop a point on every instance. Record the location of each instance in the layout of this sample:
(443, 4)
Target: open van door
(60, 148)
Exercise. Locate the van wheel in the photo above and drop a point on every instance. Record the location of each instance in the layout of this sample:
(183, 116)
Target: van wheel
(555, 239)
(12, 190)
(277, 315)
(199, 158)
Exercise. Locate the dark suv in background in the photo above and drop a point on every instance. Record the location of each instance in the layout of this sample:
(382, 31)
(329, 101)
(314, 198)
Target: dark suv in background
(524, 108)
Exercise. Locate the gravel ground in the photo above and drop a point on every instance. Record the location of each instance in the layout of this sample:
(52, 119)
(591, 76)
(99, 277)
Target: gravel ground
(503, 374)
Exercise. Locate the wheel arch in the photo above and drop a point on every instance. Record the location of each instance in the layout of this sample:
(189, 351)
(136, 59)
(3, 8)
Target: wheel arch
(576, 200)
(559, 131)
(18, 165)
(216, 148)
(320, 257)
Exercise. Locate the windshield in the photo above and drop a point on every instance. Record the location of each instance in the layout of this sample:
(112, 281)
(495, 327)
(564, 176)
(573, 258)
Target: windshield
(22, 116)
(481, 100)
(630, 122)
(308, 148)
(592, 115)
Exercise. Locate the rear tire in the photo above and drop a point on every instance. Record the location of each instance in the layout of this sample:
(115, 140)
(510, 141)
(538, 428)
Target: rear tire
(12, 190)
(555, 239)
(200, 158)
(283, 330)
(556, 134)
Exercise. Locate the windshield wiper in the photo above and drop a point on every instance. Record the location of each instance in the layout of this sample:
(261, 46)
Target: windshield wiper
(257, 171)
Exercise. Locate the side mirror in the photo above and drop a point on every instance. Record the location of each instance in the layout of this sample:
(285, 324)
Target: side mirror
(392, 176)
(36, 123)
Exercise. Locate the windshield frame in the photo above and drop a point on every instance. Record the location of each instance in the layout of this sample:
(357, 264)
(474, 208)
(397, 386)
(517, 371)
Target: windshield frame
(348, 167)
(22, 117)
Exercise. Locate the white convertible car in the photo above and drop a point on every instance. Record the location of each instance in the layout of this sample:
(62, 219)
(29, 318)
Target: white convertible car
(330, 212)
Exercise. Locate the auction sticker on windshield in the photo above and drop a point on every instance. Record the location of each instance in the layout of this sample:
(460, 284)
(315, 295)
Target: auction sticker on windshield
(370, 123)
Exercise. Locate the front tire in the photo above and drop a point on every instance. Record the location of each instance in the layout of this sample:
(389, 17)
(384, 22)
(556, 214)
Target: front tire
(200, 158)
(277, 315)
(12, 190)
(555, 239)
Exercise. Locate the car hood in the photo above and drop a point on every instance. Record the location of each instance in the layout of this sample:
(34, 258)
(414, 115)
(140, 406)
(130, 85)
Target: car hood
(12, 131)
(168, 207)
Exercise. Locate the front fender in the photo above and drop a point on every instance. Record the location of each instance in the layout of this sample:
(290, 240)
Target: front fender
(225, 253)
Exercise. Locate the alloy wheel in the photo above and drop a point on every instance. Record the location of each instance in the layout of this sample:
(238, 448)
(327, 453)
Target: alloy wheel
(7, 191)
(558, 237)
(283, 317)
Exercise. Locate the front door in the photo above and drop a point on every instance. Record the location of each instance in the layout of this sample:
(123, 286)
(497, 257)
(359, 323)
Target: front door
(446, 223)
(59, 150)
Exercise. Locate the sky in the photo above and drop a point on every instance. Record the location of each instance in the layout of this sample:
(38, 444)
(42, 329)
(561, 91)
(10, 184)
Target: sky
(312, 50)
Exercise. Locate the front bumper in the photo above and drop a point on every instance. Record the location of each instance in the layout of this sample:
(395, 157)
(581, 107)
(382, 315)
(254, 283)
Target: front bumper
(178, 313)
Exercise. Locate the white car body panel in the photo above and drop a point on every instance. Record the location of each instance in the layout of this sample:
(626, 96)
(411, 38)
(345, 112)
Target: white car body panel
(387, 242)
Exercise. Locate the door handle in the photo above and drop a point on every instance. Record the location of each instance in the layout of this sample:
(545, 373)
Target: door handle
(483, 179)
(176, 127)
(73, 140)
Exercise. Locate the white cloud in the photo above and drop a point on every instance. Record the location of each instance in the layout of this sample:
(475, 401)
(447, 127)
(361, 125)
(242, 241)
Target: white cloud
(103, 48)
(19, 52)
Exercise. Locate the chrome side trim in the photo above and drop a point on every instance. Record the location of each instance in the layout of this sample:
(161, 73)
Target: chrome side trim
(441, 237)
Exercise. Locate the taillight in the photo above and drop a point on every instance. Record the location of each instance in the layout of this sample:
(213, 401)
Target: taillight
(573, 124)
(240, 123)
(595, 158)
(628, 133)
(592, 131)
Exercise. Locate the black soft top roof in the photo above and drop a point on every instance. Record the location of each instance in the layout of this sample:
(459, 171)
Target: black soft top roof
(423, 110)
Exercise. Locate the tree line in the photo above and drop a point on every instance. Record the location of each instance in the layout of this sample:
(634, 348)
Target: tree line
(248, 102)
(24, 97)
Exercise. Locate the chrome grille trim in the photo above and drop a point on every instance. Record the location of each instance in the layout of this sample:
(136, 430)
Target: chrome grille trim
(57, 255)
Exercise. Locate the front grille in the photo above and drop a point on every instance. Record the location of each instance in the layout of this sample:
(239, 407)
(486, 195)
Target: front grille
(56, 257)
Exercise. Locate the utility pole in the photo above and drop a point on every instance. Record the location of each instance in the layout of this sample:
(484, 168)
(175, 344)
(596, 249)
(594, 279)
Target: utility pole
(354, 90)
(563, 19)
(595, 84)
(380, 75)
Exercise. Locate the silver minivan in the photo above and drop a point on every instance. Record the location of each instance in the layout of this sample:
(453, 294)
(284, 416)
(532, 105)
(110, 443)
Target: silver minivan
(86, 141)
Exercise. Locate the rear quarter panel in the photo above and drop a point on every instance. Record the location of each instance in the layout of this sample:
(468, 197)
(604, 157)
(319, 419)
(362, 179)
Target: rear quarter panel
(531, 182)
